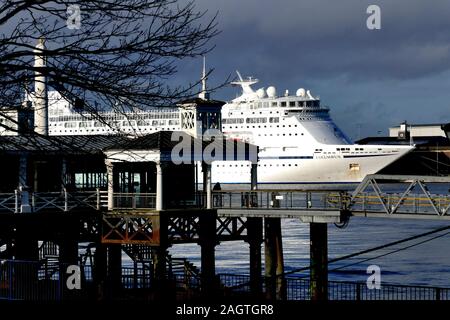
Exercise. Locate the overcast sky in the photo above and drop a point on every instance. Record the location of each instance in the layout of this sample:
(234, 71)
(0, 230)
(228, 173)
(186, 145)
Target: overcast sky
(371, 79)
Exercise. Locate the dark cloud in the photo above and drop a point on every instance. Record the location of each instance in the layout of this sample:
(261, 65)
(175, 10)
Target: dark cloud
(325, 45)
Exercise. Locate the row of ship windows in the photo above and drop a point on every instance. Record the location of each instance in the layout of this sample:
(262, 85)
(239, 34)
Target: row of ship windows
(265, 126)
(259, 165)
(253, 120)
(123, 129)
(256, 120)
(250, 120)
(348, 149)
(313, 112)
(279, 134)
(125, 123)
(285, 104)
(163, 114)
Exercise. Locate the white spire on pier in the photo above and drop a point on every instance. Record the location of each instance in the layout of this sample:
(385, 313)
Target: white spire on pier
(40, 90)
(204, 94)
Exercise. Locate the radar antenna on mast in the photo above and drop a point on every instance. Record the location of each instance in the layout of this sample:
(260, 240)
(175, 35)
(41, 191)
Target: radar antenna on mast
(245, 84)
(239, 75)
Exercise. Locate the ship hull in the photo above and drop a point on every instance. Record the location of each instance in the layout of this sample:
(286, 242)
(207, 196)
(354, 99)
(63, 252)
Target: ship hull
(342, 169)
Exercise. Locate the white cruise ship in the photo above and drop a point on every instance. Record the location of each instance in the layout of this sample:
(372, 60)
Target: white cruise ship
(298, 141)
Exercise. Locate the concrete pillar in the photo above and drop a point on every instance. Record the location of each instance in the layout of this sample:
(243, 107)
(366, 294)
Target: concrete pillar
(274, 264)
(206, 168)
(319, 261)
(159, 187)
(110, 176)
(40, 91)
(207, 241)
(254, 239)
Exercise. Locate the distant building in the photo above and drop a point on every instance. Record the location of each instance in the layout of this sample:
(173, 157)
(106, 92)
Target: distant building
(405, 130)
(431, 155)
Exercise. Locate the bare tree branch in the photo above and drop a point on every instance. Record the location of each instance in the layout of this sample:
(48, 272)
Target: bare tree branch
(120, 58)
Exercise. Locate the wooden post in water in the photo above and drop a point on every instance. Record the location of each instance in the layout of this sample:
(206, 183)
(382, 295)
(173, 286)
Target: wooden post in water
(275, 284)
(319, 261)
(115, 268)
(254, 239)
(100, 268)
(159, 257)
(207, 242)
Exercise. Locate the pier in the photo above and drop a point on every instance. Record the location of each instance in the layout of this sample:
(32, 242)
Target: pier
(72, 208)
(46, 229)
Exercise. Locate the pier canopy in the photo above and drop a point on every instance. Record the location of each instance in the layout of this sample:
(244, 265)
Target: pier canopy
(123, 166)
(181, 148)
(165, 164)
(53, 163)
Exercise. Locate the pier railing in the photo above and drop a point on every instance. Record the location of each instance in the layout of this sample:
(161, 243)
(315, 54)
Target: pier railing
(30, 280)
(281, 199)
(134, 200)
(419, 204)
(64, 201)
(299, 289)
(359, 203)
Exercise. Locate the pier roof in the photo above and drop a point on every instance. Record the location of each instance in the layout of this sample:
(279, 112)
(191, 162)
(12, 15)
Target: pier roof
(77, 144)
(161, 142)
(164, 142)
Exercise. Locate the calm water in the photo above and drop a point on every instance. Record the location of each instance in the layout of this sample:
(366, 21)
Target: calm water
(423, 264)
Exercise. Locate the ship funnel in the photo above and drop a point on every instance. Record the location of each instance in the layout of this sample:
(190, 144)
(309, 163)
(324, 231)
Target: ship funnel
(40, 90)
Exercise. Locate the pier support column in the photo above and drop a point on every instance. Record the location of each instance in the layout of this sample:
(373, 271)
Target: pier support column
(159, 258)
(207, 184)
(115, 267)
(68, 255)
(110, 177)
(26, 252)
(207, 242)
(26, 249)
(159, 186)
(274, 264)
(254, 185)
(68, 251)
(319, 261)
(254, 235)
(100, 270)
(254, 176)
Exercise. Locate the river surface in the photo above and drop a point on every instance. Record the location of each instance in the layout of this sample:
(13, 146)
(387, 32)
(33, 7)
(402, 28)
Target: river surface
(412, 263)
